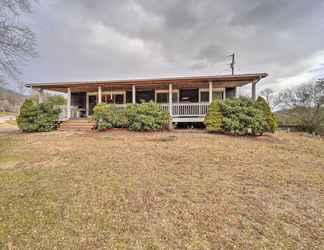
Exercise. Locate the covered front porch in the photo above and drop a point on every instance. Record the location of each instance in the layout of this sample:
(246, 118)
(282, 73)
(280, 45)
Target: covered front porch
(186, 99)
(184, 104)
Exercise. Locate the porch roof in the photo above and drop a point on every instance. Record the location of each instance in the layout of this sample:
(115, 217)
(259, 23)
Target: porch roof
(218, 80)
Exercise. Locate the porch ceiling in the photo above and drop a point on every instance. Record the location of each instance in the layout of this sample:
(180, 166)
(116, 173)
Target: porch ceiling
(161, 83)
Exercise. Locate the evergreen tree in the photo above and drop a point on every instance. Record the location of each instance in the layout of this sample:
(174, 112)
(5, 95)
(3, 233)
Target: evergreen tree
(262, 105)
(214, 118)
(35, 117)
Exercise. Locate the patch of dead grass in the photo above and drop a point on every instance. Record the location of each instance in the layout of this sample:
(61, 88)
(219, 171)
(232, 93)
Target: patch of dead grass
(122, 190)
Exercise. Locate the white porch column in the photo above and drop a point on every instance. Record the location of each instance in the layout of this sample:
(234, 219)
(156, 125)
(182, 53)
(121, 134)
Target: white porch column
(210, 92)
(99, 95)
(87, 104)
(41, 96)
(253, 91)
(133, 94)
(170, 99)
(69, 103)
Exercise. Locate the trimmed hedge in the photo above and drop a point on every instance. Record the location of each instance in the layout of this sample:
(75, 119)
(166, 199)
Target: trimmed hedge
(236, 116)
(35, 117)
(138, 117)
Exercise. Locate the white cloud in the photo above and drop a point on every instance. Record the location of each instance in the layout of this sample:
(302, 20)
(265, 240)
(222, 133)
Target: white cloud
(302, 72)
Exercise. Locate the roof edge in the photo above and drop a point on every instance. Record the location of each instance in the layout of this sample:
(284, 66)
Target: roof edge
(255, 76)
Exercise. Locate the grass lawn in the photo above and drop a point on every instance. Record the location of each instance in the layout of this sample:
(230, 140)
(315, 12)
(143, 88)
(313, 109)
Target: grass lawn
(121, 190)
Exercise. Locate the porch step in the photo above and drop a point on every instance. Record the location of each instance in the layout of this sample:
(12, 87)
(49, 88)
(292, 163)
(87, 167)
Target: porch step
(77, 125)
(79, 121)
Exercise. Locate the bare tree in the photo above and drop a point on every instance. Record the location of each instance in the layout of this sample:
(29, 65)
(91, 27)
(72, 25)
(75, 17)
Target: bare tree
(305, 103)
(17, 41)
(268, 94)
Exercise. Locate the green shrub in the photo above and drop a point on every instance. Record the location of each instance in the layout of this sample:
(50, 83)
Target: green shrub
(214, 118)
(241, 117)
(109, 116)
(262, 105)
(35, 117)
(139, 117)
(57, 100)
(147, 117)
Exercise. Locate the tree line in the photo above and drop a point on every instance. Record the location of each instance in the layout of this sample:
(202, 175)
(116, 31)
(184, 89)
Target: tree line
(303, 105)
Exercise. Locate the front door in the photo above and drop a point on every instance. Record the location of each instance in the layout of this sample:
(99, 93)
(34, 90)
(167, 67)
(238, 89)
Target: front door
(78, 100)
(92, 103)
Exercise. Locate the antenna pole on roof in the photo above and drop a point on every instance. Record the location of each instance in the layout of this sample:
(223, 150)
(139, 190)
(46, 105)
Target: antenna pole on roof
(233, 63)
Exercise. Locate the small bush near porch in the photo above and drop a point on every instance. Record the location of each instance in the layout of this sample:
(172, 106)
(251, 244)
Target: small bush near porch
(109, 116)
(36, 117)
(240, 116)
(138, 117)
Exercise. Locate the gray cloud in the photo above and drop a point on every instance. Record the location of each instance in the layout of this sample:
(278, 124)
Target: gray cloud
(81, 39)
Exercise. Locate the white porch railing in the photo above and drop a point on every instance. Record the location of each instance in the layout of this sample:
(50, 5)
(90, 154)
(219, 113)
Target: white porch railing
(182, 109)
(178, 110)
(187, 109)
(64, 113)
(75, 113)
(165, 107)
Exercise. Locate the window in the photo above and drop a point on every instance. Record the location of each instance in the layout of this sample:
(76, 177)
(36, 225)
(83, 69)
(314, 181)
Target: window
(164, 97)
(175, 97)
(107, 98)
(204, 96)
(118, 99)
(189, 95)
(145, 96)
(115, 98)
(217, 95)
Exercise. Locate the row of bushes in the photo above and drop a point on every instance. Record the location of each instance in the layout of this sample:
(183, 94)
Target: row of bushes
(240, 116)
(135, 117)
(235, 116)
(36, 117)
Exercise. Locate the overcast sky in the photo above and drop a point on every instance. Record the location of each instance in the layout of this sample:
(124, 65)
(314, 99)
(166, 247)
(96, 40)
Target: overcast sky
(114, 39)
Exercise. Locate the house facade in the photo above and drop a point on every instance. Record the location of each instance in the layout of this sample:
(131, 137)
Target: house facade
(186, 98)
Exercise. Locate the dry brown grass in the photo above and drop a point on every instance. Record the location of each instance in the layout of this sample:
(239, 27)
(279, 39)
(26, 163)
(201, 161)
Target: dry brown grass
(124, 190)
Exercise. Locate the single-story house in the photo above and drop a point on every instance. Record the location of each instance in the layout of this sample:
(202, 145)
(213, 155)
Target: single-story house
(186, 98)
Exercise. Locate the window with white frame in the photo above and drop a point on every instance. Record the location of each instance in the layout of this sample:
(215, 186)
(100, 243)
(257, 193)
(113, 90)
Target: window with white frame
(112, 97)
(217, 94)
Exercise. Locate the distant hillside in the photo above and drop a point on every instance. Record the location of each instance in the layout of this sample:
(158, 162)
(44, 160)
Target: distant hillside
(10, 101)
